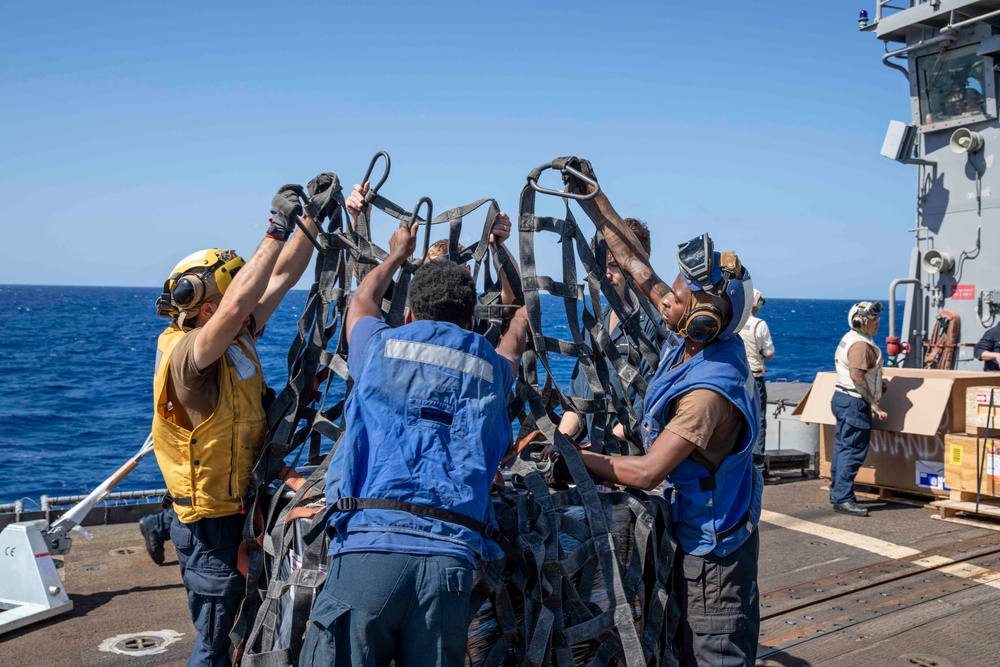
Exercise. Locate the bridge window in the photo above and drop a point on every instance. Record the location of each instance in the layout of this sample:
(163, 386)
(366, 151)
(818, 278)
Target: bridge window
(951, 84)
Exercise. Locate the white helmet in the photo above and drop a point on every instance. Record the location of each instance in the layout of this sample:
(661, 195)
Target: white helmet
(863, 312)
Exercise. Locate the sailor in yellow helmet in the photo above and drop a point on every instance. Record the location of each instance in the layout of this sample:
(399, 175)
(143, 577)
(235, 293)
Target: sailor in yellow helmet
(209, 422)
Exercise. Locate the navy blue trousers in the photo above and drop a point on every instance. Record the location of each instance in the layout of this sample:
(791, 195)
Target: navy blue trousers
(851, 439)
(758, 445)
(380, 607)
(161, 522)
(207, 551)
(720, 619)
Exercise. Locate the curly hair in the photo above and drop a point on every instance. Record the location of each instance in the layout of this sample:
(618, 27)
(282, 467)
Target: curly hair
(440, 249)
(442, 290)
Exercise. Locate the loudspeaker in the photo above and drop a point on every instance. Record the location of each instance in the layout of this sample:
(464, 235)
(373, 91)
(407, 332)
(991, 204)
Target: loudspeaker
(965, 141)
(935, 261)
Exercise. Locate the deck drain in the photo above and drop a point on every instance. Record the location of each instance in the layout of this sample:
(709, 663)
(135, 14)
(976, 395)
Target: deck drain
(123, 551)
(923, 660)
(141, 643)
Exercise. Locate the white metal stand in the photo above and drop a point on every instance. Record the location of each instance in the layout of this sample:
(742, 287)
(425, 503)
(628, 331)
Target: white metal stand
(30, 588)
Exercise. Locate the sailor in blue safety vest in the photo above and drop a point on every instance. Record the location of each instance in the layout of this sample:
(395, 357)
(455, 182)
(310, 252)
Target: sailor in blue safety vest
(408, 484)
(858, 361)
(701, 420)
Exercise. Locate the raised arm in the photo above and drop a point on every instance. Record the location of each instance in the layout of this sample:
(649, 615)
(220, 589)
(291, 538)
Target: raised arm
(367, 299)
(498, 234)
(250, 283)
(297, 253)
(291, 264)
(512, 345)
(622, 242)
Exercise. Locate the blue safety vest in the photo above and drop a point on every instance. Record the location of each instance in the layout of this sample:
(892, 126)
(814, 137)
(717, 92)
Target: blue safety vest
(713, 513)
(426, 424)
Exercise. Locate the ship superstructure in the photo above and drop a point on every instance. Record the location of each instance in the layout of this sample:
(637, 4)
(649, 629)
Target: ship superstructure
(949, 52)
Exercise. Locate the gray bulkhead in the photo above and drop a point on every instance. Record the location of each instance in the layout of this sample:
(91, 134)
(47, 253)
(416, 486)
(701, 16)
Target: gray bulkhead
(949, 52)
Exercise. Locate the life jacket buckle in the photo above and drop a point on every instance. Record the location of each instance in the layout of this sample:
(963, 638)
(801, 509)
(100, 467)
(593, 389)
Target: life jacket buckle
(346, 504)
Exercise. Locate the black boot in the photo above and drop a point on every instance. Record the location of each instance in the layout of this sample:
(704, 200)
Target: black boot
(850, 507)
(154, 544)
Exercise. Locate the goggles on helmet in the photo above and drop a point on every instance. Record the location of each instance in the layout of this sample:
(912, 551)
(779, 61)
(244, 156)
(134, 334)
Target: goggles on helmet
(862, 312)
(722, 277)
(868, 309)
(698, 262)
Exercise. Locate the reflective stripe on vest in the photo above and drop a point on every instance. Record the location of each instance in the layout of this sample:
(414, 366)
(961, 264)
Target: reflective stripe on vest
(873, 377)
(426, 423)
(712, 513)
(207, 470)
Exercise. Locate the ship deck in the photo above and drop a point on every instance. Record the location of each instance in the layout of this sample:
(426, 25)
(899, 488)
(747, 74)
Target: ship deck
(900, 587)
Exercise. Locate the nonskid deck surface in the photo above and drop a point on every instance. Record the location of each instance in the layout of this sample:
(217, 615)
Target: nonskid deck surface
(897, 588)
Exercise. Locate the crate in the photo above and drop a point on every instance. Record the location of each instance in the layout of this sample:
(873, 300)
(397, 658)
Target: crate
(971, 461)
(977, 409)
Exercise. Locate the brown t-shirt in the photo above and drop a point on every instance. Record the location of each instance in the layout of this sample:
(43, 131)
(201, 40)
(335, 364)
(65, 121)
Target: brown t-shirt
(862, 356)
(709, 421)
(193, 393)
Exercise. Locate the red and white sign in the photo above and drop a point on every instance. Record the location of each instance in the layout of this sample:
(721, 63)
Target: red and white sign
(963, 292)
(983, 397)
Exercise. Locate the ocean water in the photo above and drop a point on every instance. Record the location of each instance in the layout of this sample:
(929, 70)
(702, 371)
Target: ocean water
(76, 366)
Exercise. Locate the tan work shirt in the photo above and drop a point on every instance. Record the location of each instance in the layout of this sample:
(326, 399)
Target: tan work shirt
(709, 421)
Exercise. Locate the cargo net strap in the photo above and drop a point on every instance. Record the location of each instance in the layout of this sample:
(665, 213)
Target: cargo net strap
(598, 358)
(317, 373)
(592, 585)
(588, 579)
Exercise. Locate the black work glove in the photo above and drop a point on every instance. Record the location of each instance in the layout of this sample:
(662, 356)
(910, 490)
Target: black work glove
(285, 207)
(576, 186)
(321, 190)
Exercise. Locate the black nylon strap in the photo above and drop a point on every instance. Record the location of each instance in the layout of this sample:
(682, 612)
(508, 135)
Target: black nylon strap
(349, 504)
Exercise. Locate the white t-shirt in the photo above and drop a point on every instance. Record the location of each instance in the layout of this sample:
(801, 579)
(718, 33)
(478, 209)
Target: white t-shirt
(763, 337)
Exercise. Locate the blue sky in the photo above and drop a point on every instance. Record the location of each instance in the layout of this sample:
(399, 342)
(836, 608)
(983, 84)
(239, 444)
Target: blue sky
(133, 134)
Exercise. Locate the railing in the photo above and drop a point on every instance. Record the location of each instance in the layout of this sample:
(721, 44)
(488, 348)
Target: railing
(116, 498)
(897, 6)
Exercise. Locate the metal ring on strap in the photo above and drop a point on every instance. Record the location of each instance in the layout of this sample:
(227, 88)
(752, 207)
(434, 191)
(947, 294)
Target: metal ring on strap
(533, 182)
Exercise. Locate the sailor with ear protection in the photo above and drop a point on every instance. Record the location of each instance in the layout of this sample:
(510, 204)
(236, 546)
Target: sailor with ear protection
(701, 420)
(209, 422)
(855, 401)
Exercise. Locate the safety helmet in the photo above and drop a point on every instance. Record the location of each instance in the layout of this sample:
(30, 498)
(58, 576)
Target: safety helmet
(197, 278)
(758, 301)
(720, 287)
(863, 312)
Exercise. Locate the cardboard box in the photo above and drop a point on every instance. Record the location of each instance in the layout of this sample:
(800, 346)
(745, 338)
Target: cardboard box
(907, 449)
(965, 457)
(978, 409)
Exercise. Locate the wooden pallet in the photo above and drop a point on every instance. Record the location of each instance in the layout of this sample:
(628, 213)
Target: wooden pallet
(875, 492)
(988, 508)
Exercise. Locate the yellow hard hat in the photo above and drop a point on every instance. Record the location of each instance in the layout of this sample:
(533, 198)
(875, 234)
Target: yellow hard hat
(198, 276)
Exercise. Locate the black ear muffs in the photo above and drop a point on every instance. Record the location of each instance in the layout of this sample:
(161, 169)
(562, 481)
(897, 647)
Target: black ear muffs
(705, 321)
(703, 326)
(189, 291)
